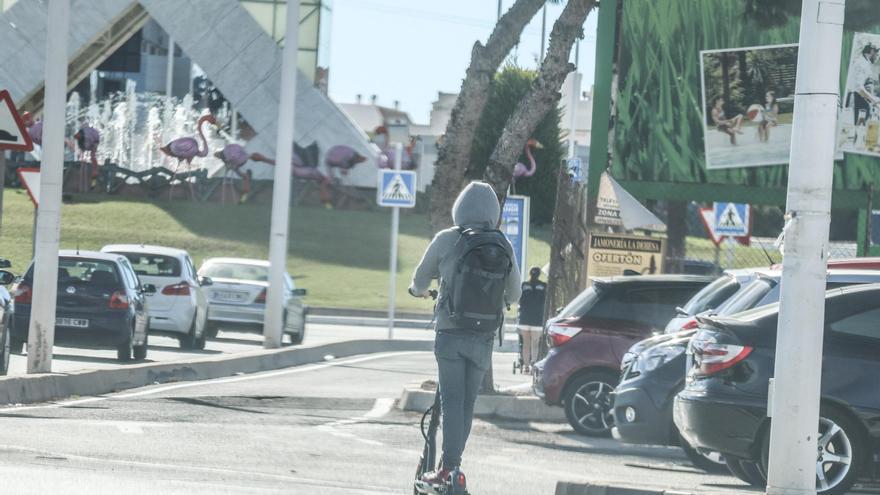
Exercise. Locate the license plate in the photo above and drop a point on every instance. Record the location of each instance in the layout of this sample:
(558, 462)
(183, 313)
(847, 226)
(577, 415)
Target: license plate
(229, 296)
(72, 322)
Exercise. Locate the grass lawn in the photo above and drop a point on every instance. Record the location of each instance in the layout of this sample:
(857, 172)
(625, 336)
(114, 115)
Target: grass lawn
(341, 257)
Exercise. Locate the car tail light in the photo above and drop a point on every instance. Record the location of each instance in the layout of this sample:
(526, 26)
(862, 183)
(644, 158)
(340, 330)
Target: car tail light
(119, 300)
(560, 334)
(23, 294)
(261, 298)
(690, 324)
(181, 289)
(711, 357)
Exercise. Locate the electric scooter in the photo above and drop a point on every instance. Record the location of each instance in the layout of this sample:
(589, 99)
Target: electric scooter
(456, 484)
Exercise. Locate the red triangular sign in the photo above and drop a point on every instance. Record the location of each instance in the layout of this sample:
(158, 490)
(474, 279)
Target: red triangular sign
(13, 134)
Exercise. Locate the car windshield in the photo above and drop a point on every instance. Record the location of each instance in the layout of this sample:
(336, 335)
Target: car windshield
(154, 265)
(712, 295)
(748, 297)
(237, 271)
(582, 303)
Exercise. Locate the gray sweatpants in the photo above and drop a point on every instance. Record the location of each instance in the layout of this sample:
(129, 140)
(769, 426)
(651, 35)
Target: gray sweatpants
(462, 360)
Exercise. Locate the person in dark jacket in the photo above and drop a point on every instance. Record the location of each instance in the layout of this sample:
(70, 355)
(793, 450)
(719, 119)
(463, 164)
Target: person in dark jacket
(531, 317)
(463, 355)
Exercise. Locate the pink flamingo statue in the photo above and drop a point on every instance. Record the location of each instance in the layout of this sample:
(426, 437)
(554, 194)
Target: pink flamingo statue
(87, 140)
(34, 128)
(520, 169)
(301, 171)
(234, 156)
(187, 148)
(343, 158)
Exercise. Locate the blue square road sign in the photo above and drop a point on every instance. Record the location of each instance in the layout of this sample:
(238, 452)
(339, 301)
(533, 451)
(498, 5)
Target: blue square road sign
(396, 188)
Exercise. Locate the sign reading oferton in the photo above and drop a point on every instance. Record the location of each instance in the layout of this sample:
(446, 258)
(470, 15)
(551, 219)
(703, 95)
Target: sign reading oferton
(396, 188)
(611, 255)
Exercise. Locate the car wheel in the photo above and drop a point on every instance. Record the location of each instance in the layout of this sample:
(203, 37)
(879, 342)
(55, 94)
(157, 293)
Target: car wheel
(140, 351)
(126, 349)
(746, 470)
(201, 340)
(588, 403)
(16, 346)
(711, 462)
(212, 329)
(842, 452)
(4, 349)
(189, 340)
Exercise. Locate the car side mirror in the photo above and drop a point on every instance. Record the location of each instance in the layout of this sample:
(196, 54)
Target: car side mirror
(299, 292)
(148, 289)
(205, 281)
(6, 278)
(558, 310)
(5, 263)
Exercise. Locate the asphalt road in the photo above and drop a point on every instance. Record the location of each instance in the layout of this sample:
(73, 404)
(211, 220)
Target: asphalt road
(326, 428)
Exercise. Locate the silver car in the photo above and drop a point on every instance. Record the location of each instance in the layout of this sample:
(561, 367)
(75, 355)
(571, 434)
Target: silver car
(237, 296)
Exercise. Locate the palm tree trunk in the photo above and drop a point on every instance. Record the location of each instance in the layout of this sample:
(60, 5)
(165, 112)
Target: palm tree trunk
(542, 96)
(454, 152)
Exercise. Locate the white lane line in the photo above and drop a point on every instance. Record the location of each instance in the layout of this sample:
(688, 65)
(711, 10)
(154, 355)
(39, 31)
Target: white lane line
(217, 381)
(380, 408)
(223, 473)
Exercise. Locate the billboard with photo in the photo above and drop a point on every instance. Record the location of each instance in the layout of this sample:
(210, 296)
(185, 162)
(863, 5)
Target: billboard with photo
(748, 98)
(858, 121)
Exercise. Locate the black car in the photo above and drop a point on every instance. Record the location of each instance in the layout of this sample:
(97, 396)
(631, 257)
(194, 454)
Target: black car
(654, 369)
(723, 407)
(100, 303)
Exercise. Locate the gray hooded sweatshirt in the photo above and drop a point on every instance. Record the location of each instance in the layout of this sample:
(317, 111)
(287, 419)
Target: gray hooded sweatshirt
(476, 207)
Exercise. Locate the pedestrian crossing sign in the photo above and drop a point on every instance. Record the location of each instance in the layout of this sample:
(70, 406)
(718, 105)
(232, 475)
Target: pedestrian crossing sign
(732, 219)
(396, 188)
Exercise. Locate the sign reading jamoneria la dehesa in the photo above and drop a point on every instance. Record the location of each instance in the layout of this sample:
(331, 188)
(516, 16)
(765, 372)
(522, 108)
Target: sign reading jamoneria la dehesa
(611, 255)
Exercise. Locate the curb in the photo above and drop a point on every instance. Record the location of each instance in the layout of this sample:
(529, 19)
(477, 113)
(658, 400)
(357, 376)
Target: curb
(52, 386)
(567, 488)
(523, 408)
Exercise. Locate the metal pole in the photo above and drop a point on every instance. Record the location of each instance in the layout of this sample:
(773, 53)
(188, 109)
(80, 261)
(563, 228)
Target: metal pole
(2, 181)
(499, 9)
(543, 31)
(41, 334)
(274, 320)
(169, 71)
(234, 122)
(395, 227)
(794, 395)
(572, 113)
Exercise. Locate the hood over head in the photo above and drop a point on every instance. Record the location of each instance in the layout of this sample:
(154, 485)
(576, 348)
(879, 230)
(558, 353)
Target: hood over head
(476, 206)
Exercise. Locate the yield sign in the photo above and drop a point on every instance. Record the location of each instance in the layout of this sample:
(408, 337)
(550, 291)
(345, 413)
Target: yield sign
(13, 135)
(30, 178)
(707, 216)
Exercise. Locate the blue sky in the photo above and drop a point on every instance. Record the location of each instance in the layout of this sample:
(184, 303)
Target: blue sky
(408, 50)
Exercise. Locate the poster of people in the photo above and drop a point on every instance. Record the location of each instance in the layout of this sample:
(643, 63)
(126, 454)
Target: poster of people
(858, 123)
(748, 98)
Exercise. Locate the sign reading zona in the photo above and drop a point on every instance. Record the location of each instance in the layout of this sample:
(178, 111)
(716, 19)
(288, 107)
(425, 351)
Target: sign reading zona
(13, 135)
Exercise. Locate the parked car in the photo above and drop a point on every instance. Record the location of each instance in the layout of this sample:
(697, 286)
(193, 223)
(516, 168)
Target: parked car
(723, 407)
(654, 370)
(237, 296)
(7, 309)
(179, 307)
(589, 336)
(709, 298)
(100, 303)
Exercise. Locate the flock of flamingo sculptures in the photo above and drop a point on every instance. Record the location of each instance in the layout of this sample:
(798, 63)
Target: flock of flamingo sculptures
(234, 156)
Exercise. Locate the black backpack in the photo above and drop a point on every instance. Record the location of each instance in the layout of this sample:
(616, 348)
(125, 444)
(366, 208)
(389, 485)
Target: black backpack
(475, 293)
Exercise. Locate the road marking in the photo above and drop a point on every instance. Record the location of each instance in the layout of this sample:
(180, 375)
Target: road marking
(216, 381)
(380, 408)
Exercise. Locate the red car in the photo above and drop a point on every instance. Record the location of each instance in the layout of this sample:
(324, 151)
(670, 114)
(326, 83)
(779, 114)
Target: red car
(588, 338)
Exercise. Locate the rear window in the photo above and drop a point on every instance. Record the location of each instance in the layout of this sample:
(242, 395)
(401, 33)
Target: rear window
(712, 295)
(754, 293)
(237, 271)
(154, 265)
(85, 271)
(581, 304)
(653, 306)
